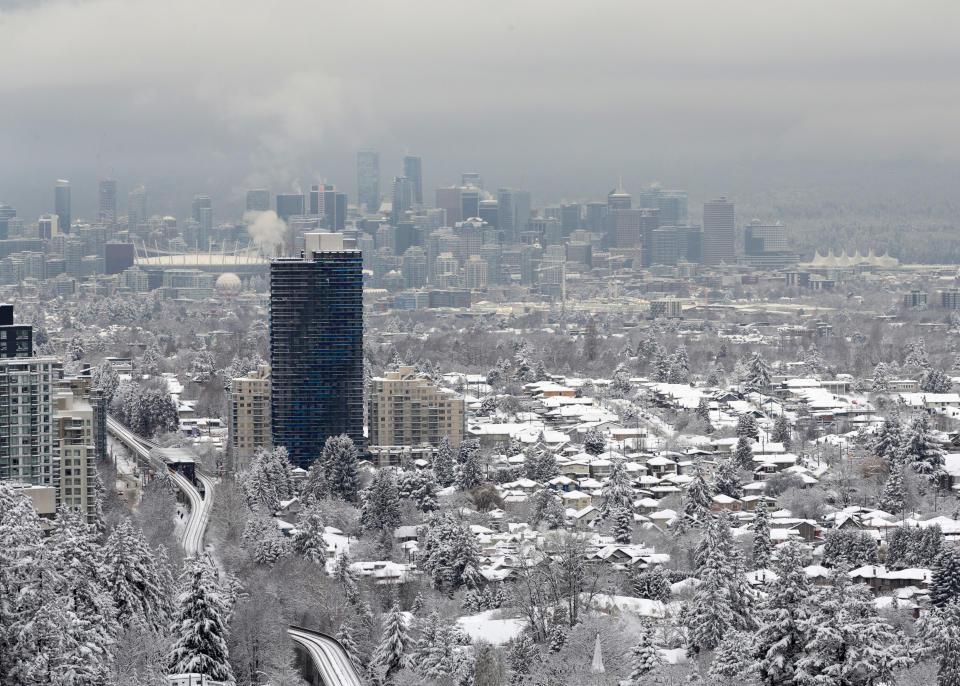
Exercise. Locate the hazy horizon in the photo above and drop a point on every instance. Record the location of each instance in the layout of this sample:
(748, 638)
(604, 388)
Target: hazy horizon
(218, 97)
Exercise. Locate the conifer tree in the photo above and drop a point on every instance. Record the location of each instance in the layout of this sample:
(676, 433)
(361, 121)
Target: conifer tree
(546, 507)
(781, 431)
(424, 491)
(391, 654)
(881, 381)
(381, 503)
(594, 442)
(894, 489)
(888, 439)
(443, 465)
(522, 656)
(780, 640)
(761, 537)
(133, 579)
(945, 584)
(617, 492)
(469, 469)
(679, 366)
(732, 662)
(653, 584)
(645, 658)
(727, 479)
(623, 525)
(710, 613)
(747, 426)
(308, 541)
(200, 627)
(947, 646)
(758, 373)
(743, 453)
(339, 457)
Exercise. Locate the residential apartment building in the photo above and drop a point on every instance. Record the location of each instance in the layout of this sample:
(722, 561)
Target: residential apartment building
(250, 414)
(75, 452)
(26, 420)
(406, 409)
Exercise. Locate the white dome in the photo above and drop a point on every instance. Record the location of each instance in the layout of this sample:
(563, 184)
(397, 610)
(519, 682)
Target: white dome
(228, 283)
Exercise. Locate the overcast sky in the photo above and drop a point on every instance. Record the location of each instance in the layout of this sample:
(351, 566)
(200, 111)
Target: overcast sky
(214, 96)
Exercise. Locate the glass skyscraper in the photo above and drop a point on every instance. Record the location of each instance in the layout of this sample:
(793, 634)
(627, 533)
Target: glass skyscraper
(413, 170)
(316, 346)
(368, 180)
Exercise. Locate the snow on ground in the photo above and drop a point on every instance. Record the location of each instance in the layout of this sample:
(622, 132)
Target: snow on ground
(487, 626)
(643, 607)
(674, 656)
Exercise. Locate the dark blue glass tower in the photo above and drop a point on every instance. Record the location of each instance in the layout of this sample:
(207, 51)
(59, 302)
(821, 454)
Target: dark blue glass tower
(316, 346)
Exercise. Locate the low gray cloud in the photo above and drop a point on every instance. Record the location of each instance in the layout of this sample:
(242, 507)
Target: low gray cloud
(561, 97)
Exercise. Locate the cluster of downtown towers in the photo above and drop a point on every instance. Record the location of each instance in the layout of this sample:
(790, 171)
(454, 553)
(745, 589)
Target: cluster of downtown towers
(316, 346)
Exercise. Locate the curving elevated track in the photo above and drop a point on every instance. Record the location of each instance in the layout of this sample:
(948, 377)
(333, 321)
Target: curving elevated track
(200, 505)
(331, 664)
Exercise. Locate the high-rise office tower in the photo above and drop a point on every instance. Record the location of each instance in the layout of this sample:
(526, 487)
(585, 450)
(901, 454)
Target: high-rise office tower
(506, 214)
(368, 180)
(570, 218)
(521, 210)
(718, 232)
(469, 203)
(471, 180)
(258, 200)
(137, 206)
(316, 346)
(6, 214)
(413, 170)
(448, 199)
(289, 205)
(402, 196)
(619, 199)
(673, 208)
(108, 201)
(315, 199)
(48, 226)
(489, 211)
(200, 202)
(334, 209)
(61, 205)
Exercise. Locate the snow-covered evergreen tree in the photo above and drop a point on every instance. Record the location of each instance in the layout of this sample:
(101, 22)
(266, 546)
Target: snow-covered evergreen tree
(546, 507)
(134, 579)
(881, 379)
(391, 654)
(947, 645)
(945, 584)
(888, 439)
(594, 442)
(679, 366)
(623, 525)
(381, 504)
(847, 640)
(743, 453)
(747, 426)
(726, 478)
(732, 663)
(849, 548)
(645, 658)
(703, 409)
(921, 451)
(894, 489)
(617, 492)
(104, 378)
(710, 614)
(443, 464)
(620, 385)
(780, 640)
(522, 657)
(652, 583)
(762, 547)
(308, 541)
(935, 381)
(449, 555)
(424, 489)
(781, 431)
(339, 457)
(199, 627)
(350, 646)
(469, 467)
(757, 373)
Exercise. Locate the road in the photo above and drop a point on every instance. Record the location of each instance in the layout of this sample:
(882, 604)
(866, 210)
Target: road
(330, 660)
(200, 506)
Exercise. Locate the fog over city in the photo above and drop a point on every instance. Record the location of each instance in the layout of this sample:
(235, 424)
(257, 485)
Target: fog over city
(561, 98)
